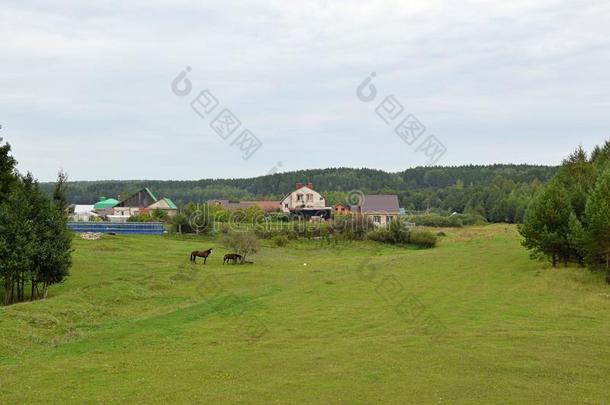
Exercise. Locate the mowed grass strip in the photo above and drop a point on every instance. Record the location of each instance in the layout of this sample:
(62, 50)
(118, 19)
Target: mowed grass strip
(311, 322)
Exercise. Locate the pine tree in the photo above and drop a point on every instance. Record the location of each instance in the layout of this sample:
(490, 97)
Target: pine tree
(598, 222)
(8, 176)
(59, 193)
(546, 225)
(577, 175)
(16, 242)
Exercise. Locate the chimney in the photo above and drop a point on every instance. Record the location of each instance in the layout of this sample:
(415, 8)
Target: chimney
(310, 185)
(299, 185)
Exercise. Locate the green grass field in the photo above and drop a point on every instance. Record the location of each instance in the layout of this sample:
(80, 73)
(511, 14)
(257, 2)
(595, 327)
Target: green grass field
(473, 320)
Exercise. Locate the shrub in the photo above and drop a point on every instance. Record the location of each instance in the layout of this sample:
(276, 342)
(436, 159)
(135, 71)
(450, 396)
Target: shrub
(379, 235)
(422, 238)
(280, 240)
(441, 234)
(144, 217)
(396, 233)
(263, 233)
(243, 243)
(447, 221)
(436, 220)
(352, 227)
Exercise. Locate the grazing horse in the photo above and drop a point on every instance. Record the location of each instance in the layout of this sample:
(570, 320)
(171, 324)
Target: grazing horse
(204, 254)
(232, 256)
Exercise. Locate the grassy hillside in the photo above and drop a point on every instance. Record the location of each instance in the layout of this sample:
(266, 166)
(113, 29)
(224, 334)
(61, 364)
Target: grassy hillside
(136, 322)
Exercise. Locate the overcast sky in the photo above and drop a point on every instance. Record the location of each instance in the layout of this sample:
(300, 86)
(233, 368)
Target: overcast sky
(87, 88)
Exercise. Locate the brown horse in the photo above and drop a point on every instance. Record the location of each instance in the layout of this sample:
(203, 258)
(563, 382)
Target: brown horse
(232, 256)
(204, 254)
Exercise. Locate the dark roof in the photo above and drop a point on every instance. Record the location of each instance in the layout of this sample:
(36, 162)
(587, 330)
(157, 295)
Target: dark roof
(380, 203)
(142, 198)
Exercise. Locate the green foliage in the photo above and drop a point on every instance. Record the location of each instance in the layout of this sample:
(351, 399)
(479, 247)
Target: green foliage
(8, 175)
(500, 193)
(397, 234)
(243, 243)
(280, 240)
(379, 235)
(447, 221)
(598, 222)
(141, 217)
(570, 218)
(35, 246)
(159, 215)
(422, 238)
(179, 221)
(59, 192)
(546, 226)
(351, 227)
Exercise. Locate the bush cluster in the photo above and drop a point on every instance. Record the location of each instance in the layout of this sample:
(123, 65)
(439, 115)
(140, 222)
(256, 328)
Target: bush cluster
(446, 221)
(398, 234)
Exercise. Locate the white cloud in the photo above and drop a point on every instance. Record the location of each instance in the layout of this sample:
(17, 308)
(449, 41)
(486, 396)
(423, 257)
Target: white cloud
(477, 72)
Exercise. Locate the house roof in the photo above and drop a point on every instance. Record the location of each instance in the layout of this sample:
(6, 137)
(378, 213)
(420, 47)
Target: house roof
(144, 190)
(164, 204)
(107, 203)
(170, 203)
(150, 193)
(380, 203)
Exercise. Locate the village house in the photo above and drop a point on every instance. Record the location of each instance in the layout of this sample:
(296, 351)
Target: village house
(164, 204)
(306, 202)
(105, 206)
(381, 209)
(141, 202)
(341, 209)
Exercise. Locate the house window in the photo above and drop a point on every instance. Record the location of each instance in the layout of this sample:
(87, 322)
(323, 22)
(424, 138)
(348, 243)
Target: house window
(309, 197)
(286, 205)
(388, 219)
(377, 219)
(299, 197)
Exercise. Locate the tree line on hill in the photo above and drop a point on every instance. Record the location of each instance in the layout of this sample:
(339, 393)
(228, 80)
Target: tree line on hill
(35, 246)
(499, 193)
(569, 220)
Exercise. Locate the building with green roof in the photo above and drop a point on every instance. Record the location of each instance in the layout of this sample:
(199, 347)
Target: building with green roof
(165, 204)
(105, 203)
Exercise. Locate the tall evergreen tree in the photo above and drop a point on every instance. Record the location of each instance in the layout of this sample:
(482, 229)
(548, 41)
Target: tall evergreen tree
(546, 225)
(598, 222)
(59, 193)
(577, 175)
(8, 176)
(16, 242)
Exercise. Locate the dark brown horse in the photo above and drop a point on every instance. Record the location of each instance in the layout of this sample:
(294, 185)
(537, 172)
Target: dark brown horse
(232, 256)
(204, 254)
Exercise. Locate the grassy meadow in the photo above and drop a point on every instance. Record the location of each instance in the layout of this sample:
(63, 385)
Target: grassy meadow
(471, 321)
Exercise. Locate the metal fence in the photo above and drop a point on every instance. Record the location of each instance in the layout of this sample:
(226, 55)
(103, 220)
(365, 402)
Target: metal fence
(133, 228)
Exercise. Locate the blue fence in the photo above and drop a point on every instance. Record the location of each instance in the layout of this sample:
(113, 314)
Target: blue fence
(133, 228)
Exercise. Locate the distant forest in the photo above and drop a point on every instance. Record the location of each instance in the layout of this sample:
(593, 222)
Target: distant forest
(500, 193)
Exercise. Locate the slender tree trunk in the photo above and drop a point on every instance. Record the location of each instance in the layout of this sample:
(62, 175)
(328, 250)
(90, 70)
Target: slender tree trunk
(23, 288)
(554, 260)
(7, 291)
